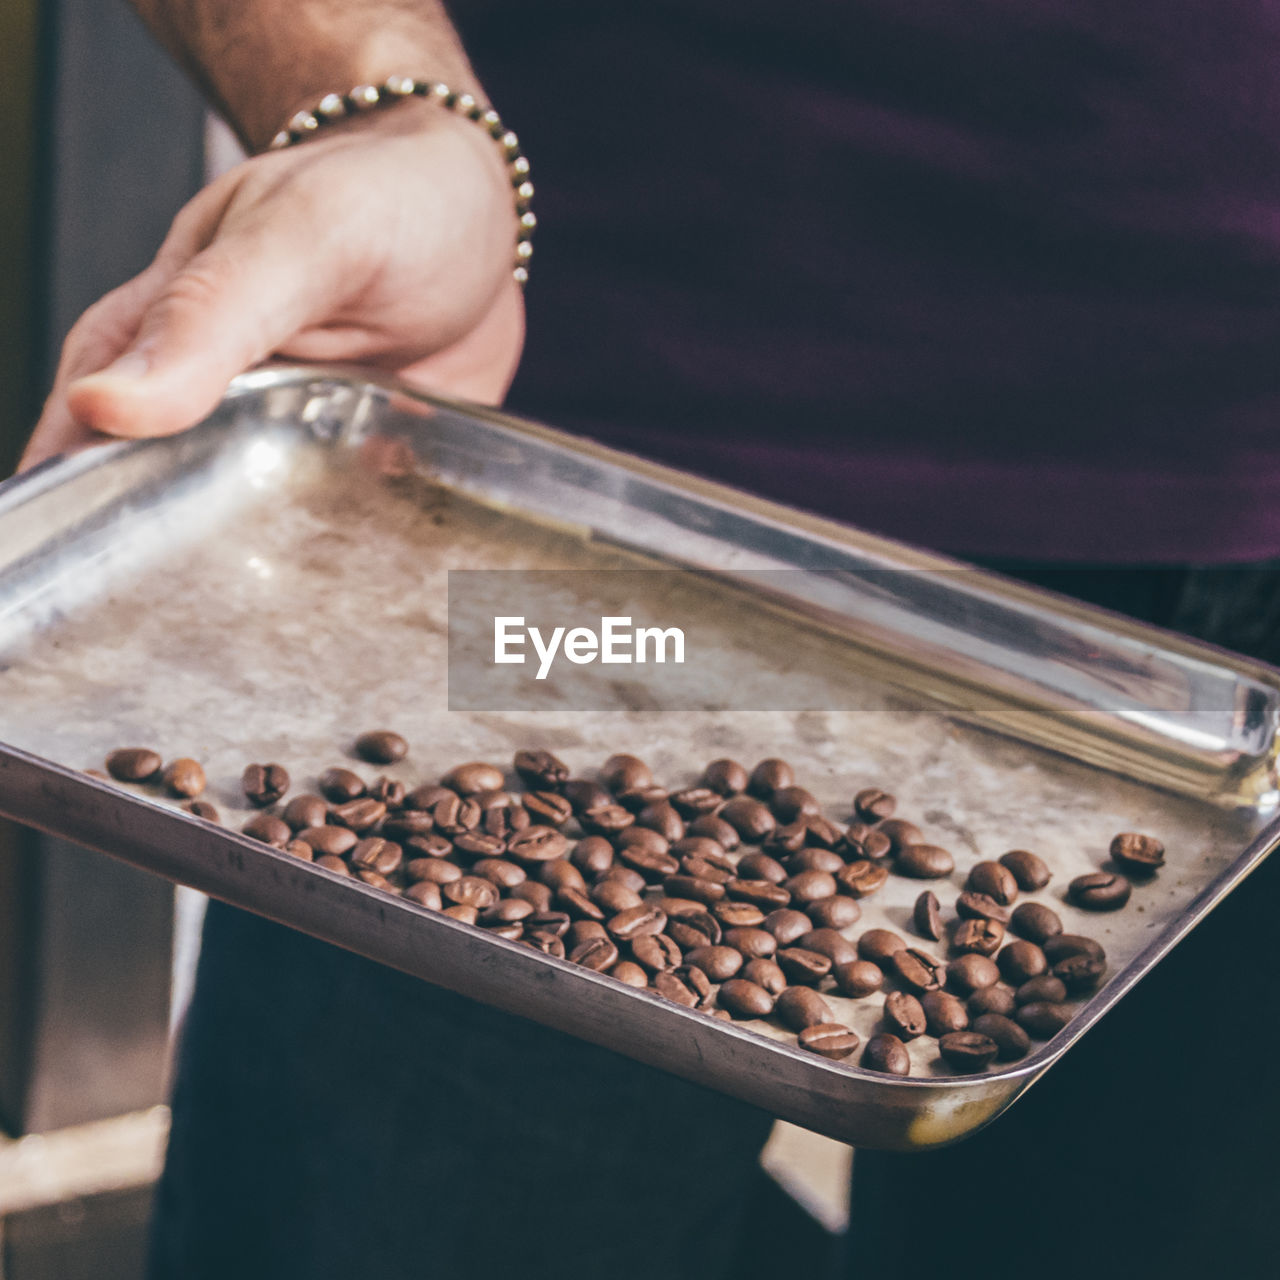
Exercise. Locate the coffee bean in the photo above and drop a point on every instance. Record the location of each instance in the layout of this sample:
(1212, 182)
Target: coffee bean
(544, 920)
(642, 838)
(133, 764)
(1062, 945)
(826, 942)
(184, 778)
(766, 974)
(972, 972)
(1028, 870)
(612, 897)
(431, 846)
(407, 824)
(683, 909)
(376, 880)
(769, 776)
(471, 891)
(467, 779)
(744, 999)
(835, 912)
(547, 808)
(943, 1013)
(506, 875)
(453, 815)
(718, 963)
(694, 931)
(505, 911)
(203, 809)
(1043, 1020)
(904, 1015)
(632, 974)
(790, 804)
(787, 838)
(626, 876)
(461, 912)
(810, 886)
(712, 827)
(761, 893)
(577, 902)
(1021, 960)
(505, 821)
(306, 811)
(424, 797)
(823, 833)
(381, 746)
(625, 773)
(918, 970)
(361, 815)
(425, 894)
(560, 875)
(706, 853)
(657, 953)
(550, 945)
(1099, 891)
(865, 842)
(593, 856)
(641, 798)
(1134, 852)
(829, 1039)
(900, 834)
(994, 880)
(977, 937)
(377, 854)
(637, 922)
(751, 819)
(1011, 1041)
(874, 805)
(270, 830)
(331, 862)
(927, 916)
(580, 930)
(888, 1054)
(981, 906)
(595, 953)
(540, 770)
(826, 861)
(390, 791)
(264, 784)
(737, 915)
(968, 1050)
(328, 839)
(1043, 988)
(1080, 974)
(800, 1007)
(686, 985)
(858, 977)
(787, 925)
(924, 862)
(755, 944)
(437, 870)
(862, 878)
(879, 946)
(759, 866)
(1035, 922)
(606, 820)
(537, 844)
(707, 892)
(802, 966)
(693, 802)
(998, 998)
(539, 895)
(727, 777)
(663, 819)
(337, 785)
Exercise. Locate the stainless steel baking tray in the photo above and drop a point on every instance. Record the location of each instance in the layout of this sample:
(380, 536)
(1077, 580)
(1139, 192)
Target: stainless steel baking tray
(267, 584)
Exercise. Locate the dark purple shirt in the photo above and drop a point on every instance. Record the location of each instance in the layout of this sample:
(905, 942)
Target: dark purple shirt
(1001, 277)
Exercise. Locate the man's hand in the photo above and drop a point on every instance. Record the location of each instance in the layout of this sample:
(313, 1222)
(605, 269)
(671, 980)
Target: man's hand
(387, 241)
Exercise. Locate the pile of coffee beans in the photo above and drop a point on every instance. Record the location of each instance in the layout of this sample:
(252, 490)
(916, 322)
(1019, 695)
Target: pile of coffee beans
(735, 895)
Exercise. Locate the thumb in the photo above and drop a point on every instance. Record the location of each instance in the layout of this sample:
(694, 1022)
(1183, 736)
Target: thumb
(225, 310)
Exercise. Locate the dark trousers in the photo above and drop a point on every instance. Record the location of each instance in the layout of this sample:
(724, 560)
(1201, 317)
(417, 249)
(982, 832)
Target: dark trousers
(332, 1118)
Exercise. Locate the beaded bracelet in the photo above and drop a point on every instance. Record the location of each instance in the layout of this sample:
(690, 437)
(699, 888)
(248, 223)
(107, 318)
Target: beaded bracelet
(334, 107)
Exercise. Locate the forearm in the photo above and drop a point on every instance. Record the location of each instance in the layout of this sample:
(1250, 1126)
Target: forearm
(261, 60)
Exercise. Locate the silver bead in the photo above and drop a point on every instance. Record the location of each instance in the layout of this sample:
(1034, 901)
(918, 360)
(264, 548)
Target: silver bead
(522, 276)
(524, 251)
(303, 122)
(528, 220)
(520, 167)
(364, 96)
(332, 106)
(399, 86)
(280, 141)
(510, 144)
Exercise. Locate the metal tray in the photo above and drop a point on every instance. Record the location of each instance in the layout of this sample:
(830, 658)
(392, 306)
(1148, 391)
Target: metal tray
(270, 583)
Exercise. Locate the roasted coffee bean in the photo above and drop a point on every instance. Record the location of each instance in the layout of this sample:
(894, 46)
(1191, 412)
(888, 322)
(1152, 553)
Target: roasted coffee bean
(835, 912)
(471, 891)
(577, 902)
(693, 802)
(642, 838)
(744, 999)
(904, 1015)
(971, 972)
(755, 944)
(625, 876)
(381, 746)
(1099, 891)
(823, 833)
(727, 777)
(641, 798)
(506, 875)
(880, 946)
(1042, 988)
(993, 880)
(863, 841)
(789, 804)
(1020, 961)
(595, 953)
(428, 846)
(657, 952)
(787, 838)
(593, 856)
(751, 819)
(738, 915)
(467, 779)
(766, 974)
(1028, 870)
(475, 844)
(553, 922)
(827, 861)
(924, 862)
(1043, 1020)
(1080, 974)
(612, 897)
(1135, 852)
(918, 969)
(887, 1053)
(337, 785)
(858, 977)
(184, 778)
(328, 839)
(425, 894)
(759, 866)
(540, 770)
(134, 764)
(998, 999)
(943, 1012)
(360, 815)
(663, 819)
(532, 892)
(637, 922)
(695, 931)
(927, 916)
(503, 821)
(460, 911)
(968, 1050)
(717, 869)
(977, 937)
(900, 834)
(718, 963)
(762, 893)
(264, 784)
(625, 773)
(505, 911)
(769, 776)
(270, 830)
(407, 823)
(391, 791)
(787, 925)
(826, 942)
(981, 906)
(711, 826)
(630, 973)
(707, 892)
(800, 1007)
(828, 1039)
(579, 931)
(1011, 1041)
(537, 844)
(1062, 945)
(874, 805)
(685, 985)
(203, 809)
(711, 851)
(376, 880)
(654, 866)
(454, 815)
(376, 854)
(1035, 922)
(802, 966)
(331, 862)
(306, 811)
(437, 870)
(550, 945)
(862, 878)
(547, 808)
(606, 820)
(811, 886)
